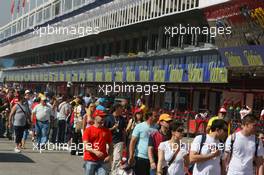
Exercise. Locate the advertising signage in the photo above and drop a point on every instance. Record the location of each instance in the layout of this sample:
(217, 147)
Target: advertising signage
(243, 56)
(199, 68)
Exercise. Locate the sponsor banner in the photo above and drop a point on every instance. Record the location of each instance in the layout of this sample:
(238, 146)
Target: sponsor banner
(198, 68)
(243, 56)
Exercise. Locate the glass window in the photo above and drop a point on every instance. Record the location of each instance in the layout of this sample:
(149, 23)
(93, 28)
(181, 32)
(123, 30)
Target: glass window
(77, 3)
(14, 31)
(19, 25)
(68, 5)
(1, 35)
(47, 13)
(39, 16)
(25, 23)
(31, 20)
(57, 8)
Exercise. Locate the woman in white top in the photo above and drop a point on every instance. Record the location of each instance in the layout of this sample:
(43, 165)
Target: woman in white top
(172, 156)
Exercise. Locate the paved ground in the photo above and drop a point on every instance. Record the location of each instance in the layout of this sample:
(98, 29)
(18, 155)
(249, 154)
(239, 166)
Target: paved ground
(31, 162)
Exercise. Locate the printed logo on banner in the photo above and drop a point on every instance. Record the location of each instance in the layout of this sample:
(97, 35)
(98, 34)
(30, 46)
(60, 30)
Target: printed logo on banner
(218, 75)
(130, 72)
(253, 58)
(233, 59)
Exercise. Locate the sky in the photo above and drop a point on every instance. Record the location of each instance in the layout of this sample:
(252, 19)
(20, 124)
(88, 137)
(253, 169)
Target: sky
(5, 14)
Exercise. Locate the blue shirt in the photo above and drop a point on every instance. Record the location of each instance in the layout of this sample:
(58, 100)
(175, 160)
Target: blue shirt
(100, 107)
(142, 132)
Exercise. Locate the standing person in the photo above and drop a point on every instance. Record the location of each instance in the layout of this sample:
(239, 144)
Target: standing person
(136, 119)
(206, 150)
(20, 115)
(173, 158)
(156, 138)
(95, 141)
(117, 125)
(240, 158)
(53, 120)
(87, 118)
(138, 148)
(33, 118)
(64, 111)
(77, 125)
(26, 131)
(43, 113)
(9, 98)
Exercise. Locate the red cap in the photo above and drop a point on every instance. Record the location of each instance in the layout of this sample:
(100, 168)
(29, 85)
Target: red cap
(99, 113)
(138, 110)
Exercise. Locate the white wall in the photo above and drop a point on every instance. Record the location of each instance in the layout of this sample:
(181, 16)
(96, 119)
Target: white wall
(207, 3)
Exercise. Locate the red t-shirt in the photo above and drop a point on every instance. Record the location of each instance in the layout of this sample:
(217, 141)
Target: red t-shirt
(97, 138)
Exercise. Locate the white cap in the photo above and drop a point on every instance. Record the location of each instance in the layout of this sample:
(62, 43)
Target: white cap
(27, 91)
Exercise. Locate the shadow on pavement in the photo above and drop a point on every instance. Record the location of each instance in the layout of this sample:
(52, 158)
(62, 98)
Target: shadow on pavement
(14, 157)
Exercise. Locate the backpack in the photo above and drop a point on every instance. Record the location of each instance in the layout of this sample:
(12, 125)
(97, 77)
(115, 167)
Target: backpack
(191, 167)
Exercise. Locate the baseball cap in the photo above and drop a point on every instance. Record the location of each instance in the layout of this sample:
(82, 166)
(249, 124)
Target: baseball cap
(222, 110)
(138, 110)
(99, 113)
(165, 117)
(27, 91)
(43, 98)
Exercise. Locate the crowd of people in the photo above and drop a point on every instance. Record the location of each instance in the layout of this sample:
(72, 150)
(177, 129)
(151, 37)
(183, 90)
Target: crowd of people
(118, 138)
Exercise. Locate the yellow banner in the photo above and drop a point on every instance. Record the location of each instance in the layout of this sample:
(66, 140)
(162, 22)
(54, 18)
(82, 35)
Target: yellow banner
(218, 75)
(82, 76)
(176, 75)
(75, 76)
(51, 76)
(131, 76)
(68, 76)
(253, 59)
(144, 76)
(90, 76)
(119, 76)
(233, 60)
(56, 76)
(195, 75)
(159, 75)
(46, 76)
(108, 76)
(41, 77)
(99, 76)
(62, 76)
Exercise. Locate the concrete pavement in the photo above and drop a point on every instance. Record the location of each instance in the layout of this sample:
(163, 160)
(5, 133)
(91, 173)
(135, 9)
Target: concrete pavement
(31, 162)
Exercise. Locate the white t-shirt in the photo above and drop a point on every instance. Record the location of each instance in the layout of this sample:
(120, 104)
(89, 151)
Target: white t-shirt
(63, 108)
(243, 154)
(209, 167)
(177, 167)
